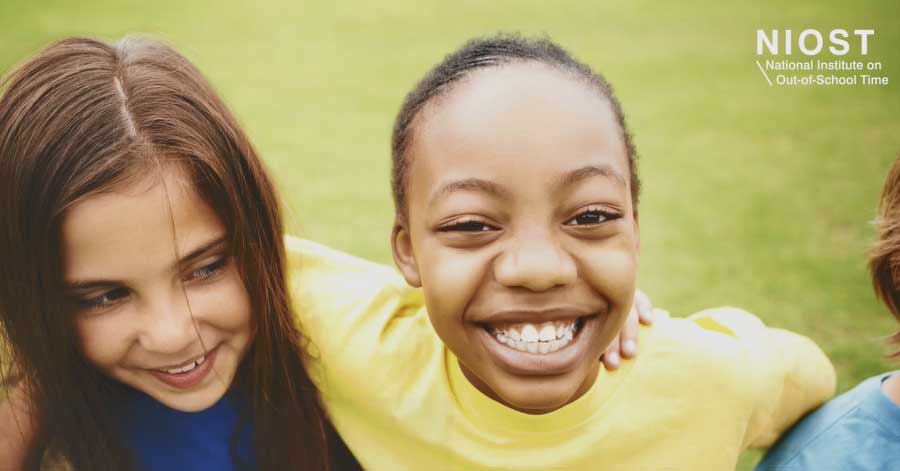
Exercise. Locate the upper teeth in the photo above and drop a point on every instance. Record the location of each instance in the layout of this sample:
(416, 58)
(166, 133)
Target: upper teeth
(542, 338)
(190, 366)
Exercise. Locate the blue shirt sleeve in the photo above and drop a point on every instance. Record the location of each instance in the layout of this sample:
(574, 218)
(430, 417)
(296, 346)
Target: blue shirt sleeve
(859, 430)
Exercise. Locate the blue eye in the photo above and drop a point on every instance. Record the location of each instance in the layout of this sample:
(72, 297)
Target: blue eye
(104, 300)
(592, 217)
(468, 226)
(208, 271)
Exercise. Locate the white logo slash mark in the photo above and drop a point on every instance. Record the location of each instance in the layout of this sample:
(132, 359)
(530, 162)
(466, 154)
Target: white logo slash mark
(763, 72)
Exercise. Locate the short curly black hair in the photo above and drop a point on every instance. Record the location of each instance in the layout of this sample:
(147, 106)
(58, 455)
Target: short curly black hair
(480, 53)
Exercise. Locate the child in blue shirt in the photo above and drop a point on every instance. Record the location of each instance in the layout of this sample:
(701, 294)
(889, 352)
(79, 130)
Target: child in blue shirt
(861, 428)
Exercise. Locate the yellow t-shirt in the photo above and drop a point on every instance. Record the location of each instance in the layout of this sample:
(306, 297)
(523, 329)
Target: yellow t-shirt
(702, 389)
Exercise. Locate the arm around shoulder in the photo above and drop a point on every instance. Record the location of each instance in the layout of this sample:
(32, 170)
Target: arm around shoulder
(788, 374)
(801, 378)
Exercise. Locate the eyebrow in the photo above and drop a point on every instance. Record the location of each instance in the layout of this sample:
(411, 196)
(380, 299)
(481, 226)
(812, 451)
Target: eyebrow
(589, 171)
(204, 249)
(471, 184)
(496, 190)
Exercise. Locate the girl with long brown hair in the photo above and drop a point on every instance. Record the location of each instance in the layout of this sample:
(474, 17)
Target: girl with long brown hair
(144, 271)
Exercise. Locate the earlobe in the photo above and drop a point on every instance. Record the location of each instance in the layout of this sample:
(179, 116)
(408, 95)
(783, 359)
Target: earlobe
(404, 257)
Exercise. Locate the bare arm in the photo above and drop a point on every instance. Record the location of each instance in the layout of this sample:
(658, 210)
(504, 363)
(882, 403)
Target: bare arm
(17, 429)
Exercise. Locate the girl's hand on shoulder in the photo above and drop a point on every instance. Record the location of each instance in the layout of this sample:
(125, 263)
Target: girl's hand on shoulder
(625, 344)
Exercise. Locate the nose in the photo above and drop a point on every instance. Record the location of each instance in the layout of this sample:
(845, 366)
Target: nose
(168, 325)
(536, 262)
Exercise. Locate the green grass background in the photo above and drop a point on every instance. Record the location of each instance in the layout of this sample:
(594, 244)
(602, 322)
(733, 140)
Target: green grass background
(754, 196)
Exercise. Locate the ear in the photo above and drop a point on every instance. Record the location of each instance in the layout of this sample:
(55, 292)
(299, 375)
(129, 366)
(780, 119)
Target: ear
(404, 257)
(637, 233)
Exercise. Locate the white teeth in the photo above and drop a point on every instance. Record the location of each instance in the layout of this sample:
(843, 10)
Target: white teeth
(183, 369)
(190, 366)
(547, 333)
(529, 333)
(543, 338)
(563, 328)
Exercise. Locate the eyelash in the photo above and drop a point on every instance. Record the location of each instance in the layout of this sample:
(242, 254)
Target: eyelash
(208, 271)
(113, 296)
(104, 300)
(606, 216)
(469, 225)
(474, 225)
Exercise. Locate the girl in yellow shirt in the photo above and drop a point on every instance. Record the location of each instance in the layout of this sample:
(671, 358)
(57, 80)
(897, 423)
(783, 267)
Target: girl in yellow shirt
(516, 192)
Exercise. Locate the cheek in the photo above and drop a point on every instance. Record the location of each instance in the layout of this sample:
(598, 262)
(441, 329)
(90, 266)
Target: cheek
(106, 338)
(224, 306)
(451, 278)
(611, 270)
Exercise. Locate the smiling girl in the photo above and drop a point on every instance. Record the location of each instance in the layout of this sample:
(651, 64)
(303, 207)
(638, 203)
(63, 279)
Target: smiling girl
(144, 297)
(516, 198)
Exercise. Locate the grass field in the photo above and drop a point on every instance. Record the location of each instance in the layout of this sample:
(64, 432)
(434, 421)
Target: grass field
(754, 196)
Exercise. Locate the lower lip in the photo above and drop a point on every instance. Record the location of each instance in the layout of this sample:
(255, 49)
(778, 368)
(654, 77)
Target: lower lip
(541, 364)
(191, 378)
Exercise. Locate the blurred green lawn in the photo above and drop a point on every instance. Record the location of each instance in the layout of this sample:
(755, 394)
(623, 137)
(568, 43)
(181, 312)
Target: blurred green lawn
(753, 196)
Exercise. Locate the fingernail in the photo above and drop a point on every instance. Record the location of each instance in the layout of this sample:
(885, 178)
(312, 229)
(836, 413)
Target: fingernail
(629, 348)
(613, 358)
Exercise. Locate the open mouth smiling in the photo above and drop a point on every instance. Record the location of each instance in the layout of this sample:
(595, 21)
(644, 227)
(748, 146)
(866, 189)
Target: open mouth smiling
(539, 344)
(541, 338)
(188, 374)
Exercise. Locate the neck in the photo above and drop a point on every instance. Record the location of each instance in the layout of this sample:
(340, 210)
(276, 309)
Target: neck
(891, 388)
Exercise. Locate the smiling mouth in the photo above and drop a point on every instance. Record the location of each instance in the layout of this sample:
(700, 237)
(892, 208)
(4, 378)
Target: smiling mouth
(187, 375)
(189, 366)
(538, 338)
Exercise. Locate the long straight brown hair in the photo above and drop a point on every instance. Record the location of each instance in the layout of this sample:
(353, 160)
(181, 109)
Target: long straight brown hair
(85, 116)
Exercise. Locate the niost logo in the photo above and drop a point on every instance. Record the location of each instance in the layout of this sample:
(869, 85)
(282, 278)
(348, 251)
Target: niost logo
(779, 47)
(838, 39)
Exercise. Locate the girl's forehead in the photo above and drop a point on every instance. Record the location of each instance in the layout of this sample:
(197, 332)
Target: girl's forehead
(517, 86)
(135, 231)
(522, 118)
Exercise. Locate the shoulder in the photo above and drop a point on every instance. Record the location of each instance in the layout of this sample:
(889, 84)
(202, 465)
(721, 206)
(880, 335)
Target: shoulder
(732, 347)
(709, 353)
(719, 335)
(357, 316)
(325, 282)
(859, 429)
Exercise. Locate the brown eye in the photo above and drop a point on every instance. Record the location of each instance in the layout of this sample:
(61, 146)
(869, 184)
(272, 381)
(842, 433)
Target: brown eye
(592, 217)
(468, 226)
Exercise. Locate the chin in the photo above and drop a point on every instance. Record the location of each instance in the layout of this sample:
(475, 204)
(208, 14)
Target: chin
(539, 395)
(192, 402)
